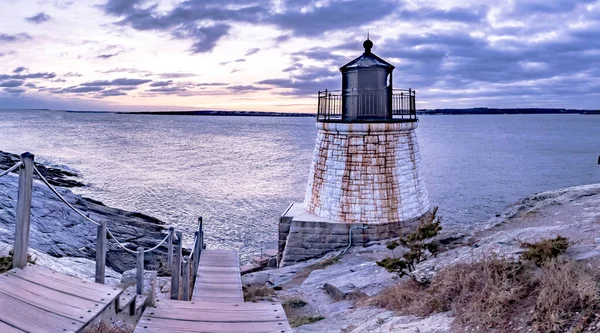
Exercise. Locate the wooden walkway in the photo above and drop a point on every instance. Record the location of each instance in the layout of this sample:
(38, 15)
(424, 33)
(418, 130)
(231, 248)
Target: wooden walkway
(218, 278)
(35, 299)
(217, 304)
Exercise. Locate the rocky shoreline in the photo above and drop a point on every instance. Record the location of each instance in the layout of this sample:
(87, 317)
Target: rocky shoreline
(59, 232)
(330, 291)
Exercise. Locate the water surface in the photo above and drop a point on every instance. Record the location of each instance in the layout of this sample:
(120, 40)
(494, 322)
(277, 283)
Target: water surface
(240, 173)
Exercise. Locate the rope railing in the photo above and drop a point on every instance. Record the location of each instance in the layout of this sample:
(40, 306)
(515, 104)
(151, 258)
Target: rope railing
(45, 181)
(26, 171)
(11, 169)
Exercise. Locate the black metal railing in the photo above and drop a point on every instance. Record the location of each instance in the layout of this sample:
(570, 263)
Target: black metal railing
(399, 106)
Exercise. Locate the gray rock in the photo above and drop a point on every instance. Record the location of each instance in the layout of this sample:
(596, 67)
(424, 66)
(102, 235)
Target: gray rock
(129, 278)
(60, 232)
(353, 274)
(255, 279)
(78, 267)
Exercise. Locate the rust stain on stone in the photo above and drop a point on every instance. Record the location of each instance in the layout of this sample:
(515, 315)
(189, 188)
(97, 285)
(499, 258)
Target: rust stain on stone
(345, 199)
(392, 194)
(413, 160)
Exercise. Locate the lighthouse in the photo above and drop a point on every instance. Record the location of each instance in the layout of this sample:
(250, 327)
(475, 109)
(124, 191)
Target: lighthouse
(365, 181)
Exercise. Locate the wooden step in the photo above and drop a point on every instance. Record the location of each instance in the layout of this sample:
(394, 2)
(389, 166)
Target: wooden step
(140, 303)
(190, 317)
(35, 299)
(127, 300)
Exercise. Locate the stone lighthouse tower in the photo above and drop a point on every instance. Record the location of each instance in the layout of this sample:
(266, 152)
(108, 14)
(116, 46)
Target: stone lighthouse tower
(365, 181)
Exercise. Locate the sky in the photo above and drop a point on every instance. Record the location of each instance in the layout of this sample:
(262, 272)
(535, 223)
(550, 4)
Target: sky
(274, 55)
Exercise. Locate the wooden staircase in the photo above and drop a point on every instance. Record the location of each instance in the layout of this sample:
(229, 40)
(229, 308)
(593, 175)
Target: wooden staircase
(217, 304)
(35, 299)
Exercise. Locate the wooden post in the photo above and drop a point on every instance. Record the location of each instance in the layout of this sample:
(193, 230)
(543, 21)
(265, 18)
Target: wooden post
(23, 211)
(186, 278)
(139, 288)
(101, 252)
(152, 294)
(197, 253)
(176, 271)
(170, 248)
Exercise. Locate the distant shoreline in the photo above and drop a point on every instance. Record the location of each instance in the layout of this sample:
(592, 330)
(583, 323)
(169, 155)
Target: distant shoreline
(470, 111)
(467, 111)
(222, 113)
(476, 111)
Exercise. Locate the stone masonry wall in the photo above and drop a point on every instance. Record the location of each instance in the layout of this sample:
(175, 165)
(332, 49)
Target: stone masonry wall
(302, 240)
(366, 173)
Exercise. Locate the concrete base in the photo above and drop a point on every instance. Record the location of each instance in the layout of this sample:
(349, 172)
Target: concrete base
(304, 236)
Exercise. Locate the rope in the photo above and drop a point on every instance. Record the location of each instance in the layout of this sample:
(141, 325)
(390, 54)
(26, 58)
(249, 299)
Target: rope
(190, 256)
(119, 243)
(159, 244)
(83, 215)
(61, 198)
(11, 169)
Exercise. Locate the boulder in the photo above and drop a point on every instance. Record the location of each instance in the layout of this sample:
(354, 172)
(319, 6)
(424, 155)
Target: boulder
(60, 232)
(129, 278)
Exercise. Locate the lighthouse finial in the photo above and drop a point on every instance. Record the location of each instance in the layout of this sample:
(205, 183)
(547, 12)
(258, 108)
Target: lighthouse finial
(368, 44)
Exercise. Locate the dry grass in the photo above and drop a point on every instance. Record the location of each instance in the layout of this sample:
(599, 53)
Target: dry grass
(293, 303)
(304, 320)
(544, 250)
(7, 261)
(104, 327)
(257, 293)
(566, 290)
(478, 293)
(501, 295)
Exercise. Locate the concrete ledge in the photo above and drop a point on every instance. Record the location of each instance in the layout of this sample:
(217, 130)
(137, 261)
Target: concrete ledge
(365, 128)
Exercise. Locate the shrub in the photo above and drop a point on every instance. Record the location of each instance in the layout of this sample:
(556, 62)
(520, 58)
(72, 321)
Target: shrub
(256, 293)
(104, 327)
(294, 303)
(304, 320)
(7, 261)
(544, 250)
(419, 245)
(478, 292)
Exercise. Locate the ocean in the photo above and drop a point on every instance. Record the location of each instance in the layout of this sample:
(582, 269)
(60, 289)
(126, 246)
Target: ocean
(241, 173)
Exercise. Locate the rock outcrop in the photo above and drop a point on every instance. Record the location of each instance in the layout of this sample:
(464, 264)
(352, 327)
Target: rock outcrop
(331, 291)
(60, 232)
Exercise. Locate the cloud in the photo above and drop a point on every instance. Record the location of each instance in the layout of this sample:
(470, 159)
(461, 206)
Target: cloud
(126, 70)
(116, 82)
(332, 16)
(111, 92)
(161, 83)
(210, 84)
(206, 37)
(39, 18)
(251, 51)
(19, 69)
(14, 90)
(11, 83)
(246, 88)
(83, 89)
(6, 38)
(168, 90)
(188, 20)
(43, 75)
(175, 75)
(108, 55)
